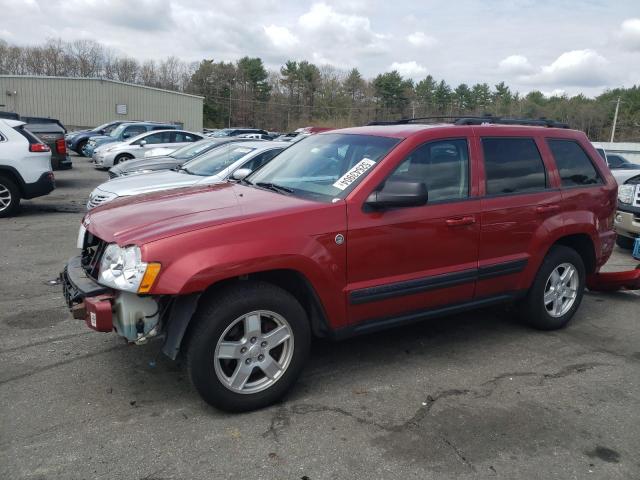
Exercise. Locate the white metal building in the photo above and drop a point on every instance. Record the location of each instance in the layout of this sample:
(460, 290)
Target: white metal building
(88, 102)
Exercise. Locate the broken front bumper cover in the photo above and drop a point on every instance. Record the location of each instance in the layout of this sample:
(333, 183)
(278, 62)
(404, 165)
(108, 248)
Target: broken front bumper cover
(612, 281)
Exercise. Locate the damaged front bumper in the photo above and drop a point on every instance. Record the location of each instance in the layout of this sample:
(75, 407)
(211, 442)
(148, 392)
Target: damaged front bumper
(134, 317)
(612, 281)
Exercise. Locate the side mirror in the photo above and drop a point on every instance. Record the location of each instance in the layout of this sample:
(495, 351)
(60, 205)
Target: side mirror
(240, 174)
(101, 132)
(398, 194)
(142, 143)
(126, 135)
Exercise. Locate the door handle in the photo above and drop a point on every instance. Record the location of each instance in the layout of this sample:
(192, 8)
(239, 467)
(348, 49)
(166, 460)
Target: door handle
(547, 208)
(461, 221)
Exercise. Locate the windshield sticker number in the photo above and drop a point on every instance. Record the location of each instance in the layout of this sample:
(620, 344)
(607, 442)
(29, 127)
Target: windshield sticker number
(356, 172)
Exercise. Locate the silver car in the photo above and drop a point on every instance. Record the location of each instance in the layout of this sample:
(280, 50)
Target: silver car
(213, 167)
(111, 154)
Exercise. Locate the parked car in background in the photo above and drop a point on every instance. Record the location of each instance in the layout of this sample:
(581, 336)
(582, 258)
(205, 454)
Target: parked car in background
(51, 132)
(234, 132)
(123, 132)
(256, 136)
(627, 219)
(25, 166)
(345, 233)
(78, 139)
(109, 155)
(213, 167)
(174, 160)
(618, 162)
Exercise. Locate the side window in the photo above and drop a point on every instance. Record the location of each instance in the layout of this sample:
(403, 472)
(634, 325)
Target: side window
(259, 160)
(160, 137)
(442, 165)
(133, 131)
(182, 137)
(513, 165)
(614, 161)
(574, 165)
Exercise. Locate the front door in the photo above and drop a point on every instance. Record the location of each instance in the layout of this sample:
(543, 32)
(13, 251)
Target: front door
(407, 260)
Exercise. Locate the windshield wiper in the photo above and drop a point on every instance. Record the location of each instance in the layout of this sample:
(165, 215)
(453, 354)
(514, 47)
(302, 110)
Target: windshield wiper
(274, 187)
(185, 170)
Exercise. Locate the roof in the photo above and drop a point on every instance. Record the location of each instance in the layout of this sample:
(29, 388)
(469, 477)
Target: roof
(100, 79)
(12, 123)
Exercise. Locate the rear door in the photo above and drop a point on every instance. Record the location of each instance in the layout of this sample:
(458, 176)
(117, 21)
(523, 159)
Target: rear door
(412, 259)
(519, 196)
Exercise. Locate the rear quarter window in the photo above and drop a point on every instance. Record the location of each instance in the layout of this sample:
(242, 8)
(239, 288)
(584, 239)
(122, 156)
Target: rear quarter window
(31, 138)
(574, 165)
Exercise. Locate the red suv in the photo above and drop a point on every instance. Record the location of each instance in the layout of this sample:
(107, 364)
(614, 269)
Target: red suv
(344, 233)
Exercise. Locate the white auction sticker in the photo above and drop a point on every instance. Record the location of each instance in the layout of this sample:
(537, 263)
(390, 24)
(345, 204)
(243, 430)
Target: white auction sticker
(352, 175)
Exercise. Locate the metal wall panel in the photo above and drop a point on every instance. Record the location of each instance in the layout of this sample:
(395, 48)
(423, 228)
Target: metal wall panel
(87, 102)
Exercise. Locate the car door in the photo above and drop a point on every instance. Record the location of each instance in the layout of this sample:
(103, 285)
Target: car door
(521, 203)
(408, 260)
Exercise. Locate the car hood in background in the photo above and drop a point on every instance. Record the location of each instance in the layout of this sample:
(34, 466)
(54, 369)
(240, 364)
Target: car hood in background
(152, 182)
(623, 174)
(154, 163)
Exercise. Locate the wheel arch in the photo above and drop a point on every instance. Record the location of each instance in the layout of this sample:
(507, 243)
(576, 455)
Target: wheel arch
(582, 243)
(14, 175)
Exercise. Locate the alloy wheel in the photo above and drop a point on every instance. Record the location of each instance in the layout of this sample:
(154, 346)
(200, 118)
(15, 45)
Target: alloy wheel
(5, 197)
(561, 290)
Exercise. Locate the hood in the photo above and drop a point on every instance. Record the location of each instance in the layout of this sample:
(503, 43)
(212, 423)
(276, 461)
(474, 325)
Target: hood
(156, 163)
(147, 218)
(103, 138)
(622, 175)
(149, 182)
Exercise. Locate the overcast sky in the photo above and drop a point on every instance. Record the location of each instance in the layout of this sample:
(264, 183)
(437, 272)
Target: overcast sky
(571, 45)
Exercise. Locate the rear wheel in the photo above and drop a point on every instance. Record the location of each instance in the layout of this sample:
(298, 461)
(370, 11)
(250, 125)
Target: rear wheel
(248, 346)
(79, 148)
(9, 197)
(625, 242)
(557, 290)
(122, 158)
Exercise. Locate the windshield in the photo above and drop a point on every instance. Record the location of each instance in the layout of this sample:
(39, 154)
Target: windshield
(216, 161)
(118, 130)
(192, 150)
(325, 167)
(225, 132)
(106, 127)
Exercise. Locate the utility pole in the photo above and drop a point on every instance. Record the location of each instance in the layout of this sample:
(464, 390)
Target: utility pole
(615, 120)
(229, 108)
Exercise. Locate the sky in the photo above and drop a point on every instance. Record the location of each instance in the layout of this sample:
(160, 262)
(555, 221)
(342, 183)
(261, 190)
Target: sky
(561, 46)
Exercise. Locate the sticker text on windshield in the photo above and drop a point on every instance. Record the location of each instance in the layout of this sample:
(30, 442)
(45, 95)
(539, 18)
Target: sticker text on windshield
(352, 175)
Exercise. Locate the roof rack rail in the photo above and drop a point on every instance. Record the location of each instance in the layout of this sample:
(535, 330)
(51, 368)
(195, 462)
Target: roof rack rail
(471, 120)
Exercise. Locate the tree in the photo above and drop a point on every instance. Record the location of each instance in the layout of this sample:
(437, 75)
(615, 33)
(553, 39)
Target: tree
(425, 90)
(443, 97)
(392, 91)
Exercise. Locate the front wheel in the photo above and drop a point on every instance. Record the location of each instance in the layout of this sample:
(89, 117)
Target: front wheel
(247, 346)
(122, 158)
(557, 290)
(80, 148)
(9, 197)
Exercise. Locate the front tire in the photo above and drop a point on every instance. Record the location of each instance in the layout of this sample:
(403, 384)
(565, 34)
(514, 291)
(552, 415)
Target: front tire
(121, 158)
(247, 346)
(79, 148)
(557, 290)
(625, 242)
(9, 197)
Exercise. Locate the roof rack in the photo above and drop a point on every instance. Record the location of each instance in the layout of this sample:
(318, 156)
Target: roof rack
(485, 119)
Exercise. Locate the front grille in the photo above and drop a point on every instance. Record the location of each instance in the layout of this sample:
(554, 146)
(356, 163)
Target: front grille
(112, 174)
(92, 251)
(636, 197)
(95, 200)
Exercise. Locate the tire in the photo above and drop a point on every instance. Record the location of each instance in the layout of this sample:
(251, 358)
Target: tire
(625, 242)
(79, 148)
(122, 158)
(224, 317)
(9, 197)
(546, 316)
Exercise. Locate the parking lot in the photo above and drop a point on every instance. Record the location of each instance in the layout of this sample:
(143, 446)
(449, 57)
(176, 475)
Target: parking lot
(471, 396)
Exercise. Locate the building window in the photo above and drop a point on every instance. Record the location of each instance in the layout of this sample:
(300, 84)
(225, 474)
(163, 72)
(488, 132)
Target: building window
(121, 108)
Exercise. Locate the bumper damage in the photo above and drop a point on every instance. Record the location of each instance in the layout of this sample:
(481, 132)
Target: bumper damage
(612, 281)
(134, 317)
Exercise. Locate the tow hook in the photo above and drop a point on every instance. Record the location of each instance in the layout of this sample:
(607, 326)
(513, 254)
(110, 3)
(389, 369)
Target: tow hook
(613, 281)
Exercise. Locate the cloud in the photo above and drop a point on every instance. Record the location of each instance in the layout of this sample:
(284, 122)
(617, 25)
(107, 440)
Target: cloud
(583, 68)
(281, 37)
(629, 34)
(420, 39)
(410, 69)
(515, 64)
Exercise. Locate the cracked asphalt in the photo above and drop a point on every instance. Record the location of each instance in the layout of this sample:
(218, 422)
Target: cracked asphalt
(470, 396)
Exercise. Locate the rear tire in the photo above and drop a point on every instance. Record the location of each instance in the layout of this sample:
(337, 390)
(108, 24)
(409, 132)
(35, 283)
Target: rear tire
(551, 301)
(9, 197)
(625, 242)
(233, 338)
(79, 148)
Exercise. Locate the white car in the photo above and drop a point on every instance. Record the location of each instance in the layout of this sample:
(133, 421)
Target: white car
(160, 151)
(111, 154)
(25, 166)
(213, 167)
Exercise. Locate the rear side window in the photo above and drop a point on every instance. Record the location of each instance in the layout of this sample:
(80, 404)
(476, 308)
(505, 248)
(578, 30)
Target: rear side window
(513, 165)
(31, 138)
(574, 165)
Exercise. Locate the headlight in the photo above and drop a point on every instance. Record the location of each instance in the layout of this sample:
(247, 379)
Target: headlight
(123, 269)
(625, 193)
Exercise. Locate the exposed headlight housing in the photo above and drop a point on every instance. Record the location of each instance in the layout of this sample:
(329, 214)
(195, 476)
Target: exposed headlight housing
(625, 193)
(123, 269)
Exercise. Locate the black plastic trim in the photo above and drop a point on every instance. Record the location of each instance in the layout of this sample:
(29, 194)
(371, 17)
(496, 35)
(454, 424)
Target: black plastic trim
(628, 208)
(506, 268)
(76, 285)
(45, 184)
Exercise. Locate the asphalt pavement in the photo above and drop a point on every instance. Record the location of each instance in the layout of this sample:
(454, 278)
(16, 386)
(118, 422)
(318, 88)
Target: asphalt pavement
(470, 396)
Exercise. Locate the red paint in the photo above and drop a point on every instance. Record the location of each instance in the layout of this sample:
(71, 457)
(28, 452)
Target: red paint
(207, 234)
(612, 281)
(98, 313)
